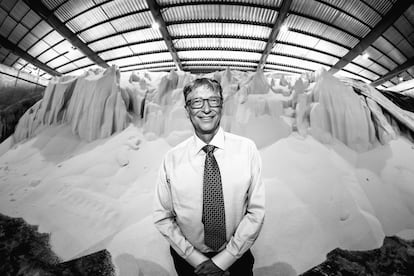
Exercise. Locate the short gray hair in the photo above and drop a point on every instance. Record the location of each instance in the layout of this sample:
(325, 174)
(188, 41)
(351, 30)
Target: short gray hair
(211, 84)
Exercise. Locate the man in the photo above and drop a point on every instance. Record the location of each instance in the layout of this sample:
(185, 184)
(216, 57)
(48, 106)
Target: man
(209, 201)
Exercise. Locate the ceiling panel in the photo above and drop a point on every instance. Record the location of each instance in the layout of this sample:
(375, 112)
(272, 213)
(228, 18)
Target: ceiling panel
(208, 36)
(228, 29)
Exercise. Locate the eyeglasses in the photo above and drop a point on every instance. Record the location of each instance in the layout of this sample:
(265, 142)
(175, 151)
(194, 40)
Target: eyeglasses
(199, 102)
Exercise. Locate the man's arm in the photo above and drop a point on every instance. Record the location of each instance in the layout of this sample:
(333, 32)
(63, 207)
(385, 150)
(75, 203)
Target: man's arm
(164, 220)
(251, 224)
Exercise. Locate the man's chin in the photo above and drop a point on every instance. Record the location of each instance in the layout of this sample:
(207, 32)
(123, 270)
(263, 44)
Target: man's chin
(208, 129)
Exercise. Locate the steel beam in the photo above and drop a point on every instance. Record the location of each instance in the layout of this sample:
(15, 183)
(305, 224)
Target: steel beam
(283, 12)
(156, 13)
(24, 55)
(394, 72)
(392, 15)
(52, 20)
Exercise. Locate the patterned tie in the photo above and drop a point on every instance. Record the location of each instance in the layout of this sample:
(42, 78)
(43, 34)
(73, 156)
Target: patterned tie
(214, 218)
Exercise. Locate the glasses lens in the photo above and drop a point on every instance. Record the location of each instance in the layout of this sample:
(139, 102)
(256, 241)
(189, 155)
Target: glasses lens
(199, 102)
(214, 101)
(196, 103)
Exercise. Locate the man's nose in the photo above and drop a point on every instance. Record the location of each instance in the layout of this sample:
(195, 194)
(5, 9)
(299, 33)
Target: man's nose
(206, 107)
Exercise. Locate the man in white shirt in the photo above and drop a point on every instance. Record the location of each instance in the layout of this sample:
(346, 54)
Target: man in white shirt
(209, 200)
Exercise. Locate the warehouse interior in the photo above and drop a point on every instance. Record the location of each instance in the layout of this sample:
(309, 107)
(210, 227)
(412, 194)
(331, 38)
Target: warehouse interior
(91, 100)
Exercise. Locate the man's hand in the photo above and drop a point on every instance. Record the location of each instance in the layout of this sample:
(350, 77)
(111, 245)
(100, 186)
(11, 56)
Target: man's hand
(210, 269)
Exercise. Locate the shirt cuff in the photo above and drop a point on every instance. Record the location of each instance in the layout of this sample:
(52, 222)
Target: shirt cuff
(224, 260)
(196, 258)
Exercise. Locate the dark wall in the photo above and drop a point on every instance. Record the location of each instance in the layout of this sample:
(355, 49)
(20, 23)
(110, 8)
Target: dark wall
(16, 96)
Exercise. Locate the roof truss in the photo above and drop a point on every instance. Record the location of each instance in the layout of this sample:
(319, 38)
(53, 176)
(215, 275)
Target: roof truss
(409, 63)
(53, 21)
(156, 13)
(393, 14)
(24, 55)
(275, 31)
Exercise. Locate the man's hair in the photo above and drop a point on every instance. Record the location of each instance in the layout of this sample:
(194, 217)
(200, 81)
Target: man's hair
(211, 84)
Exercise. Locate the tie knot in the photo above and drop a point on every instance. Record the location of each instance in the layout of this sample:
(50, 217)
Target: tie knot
(208, 149)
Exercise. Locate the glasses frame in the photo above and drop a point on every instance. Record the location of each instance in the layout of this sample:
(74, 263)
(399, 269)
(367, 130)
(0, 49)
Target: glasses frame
(190, 101)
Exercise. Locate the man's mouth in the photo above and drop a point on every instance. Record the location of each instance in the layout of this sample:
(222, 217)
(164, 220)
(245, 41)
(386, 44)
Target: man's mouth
(206, 119)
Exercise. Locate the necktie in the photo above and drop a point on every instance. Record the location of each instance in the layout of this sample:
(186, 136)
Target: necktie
(214, 219)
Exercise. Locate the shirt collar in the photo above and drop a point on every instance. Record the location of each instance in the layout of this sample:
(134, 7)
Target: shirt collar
(217, 141)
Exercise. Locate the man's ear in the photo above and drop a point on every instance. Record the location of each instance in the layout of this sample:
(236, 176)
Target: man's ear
(187, 110)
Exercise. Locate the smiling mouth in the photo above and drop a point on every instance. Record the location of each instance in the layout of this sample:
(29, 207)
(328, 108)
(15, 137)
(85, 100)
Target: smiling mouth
(206, 118)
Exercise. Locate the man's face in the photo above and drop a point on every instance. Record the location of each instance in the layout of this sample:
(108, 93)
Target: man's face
(206, 119)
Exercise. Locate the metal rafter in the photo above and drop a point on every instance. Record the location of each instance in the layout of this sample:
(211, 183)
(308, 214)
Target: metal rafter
(217, 2)
(51, 19)
(24, 55)
(156, 13)
(281, 17)
(392, 15)
(112, 19)
(409, 63)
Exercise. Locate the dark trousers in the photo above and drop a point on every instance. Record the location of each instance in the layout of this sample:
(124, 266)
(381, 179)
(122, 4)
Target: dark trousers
(242, 267)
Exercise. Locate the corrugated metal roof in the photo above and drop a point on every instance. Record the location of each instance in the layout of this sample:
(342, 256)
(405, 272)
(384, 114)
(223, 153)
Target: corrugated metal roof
(29, 40)
(219, 12)
(229, 29)
(159, 66)
(296, 62)
(290, 69)
(304, 53)
(52, 38)
(18, 32)
(38, 48)
(218, 55)
(41, 29)
(219, 62)
(59, 61)
(351, 75)
(351, 25)
(83, 62)
(270, 3)
(149, 46)
(96, 32)
(127, 61)
(48, 55)
(331, 48)
(71, 8)
(317, 28)
(353, 68)
(210, 35)
(68, 68)
(323, 12)
(116, 53)
(132, 21)
(380, 70)
(380, 6)
(359, 9)
(30, 19)
(406, 47)
(156, 57)
(11, 59)
(88, 19)
(220, 43)
(19, 10)
(143, 35)
(8, 5)
(53, 4)
(106, 43)
(7, 27)
(368, 74)
(121, 7)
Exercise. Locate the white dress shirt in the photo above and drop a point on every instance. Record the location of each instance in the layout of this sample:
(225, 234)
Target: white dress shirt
(179, 197)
